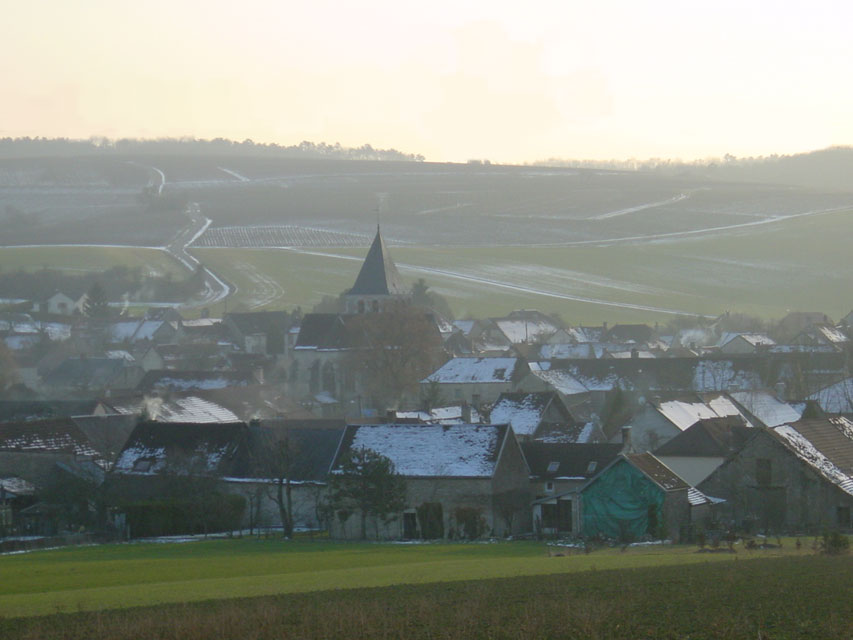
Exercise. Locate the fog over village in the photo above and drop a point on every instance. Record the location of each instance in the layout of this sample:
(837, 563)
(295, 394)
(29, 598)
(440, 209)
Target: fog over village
(440, 325)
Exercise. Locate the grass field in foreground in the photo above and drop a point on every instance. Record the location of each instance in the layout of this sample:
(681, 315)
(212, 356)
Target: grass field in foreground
(118, 576)
(792, 597)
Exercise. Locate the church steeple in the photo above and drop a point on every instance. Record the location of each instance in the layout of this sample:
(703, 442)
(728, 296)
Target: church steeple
(378, 280)
(378, 275)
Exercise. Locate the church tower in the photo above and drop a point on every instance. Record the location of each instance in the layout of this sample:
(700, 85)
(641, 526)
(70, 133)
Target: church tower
(378, 286)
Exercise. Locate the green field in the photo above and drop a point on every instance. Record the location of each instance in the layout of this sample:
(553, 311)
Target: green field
(77, 259)
(273, 589)
(116, 576)
(766, 270)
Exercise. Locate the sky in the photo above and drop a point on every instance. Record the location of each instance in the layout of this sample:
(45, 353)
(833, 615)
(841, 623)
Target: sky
(509, 82)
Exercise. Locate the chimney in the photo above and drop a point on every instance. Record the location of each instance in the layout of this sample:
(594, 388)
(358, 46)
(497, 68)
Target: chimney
(466, 413)
(627, 445)
(390, 416)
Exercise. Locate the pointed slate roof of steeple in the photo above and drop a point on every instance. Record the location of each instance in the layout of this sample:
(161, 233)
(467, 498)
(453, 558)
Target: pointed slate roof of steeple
(378, 275)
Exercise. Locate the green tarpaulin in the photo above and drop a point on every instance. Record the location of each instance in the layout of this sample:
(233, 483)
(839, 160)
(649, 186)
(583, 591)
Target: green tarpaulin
(622, 504)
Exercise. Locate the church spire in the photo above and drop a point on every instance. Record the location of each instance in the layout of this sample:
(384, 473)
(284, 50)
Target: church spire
(378, 275)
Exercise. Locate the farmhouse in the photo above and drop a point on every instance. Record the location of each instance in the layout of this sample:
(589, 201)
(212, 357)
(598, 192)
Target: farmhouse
(793, 477)
(467, 480)
(476, 380)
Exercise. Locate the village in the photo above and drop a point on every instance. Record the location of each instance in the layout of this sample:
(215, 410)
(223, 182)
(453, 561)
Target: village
(115, 427)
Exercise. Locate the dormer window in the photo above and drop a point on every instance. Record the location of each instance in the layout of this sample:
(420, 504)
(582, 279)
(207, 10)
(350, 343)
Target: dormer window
(500, 373)
(553, 466)
(590, 468)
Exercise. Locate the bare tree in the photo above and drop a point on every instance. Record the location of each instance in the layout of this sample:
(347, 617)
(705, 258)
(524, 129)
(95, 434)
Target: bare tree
(394, 351)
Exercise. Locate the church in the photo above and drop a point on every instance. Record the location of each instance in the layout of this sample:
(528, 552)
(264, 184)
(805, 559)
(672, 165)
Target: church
(319, 372)
(379, 286)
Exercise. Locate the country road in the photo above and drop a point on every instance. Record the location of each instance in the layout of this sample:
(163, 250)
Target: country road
(215, 289)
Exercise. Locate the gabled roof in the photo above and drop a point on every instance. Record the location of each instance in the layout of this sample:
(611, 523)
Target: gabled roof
(656, 471)
(685, 411)
(47, 436)
(323, 331)
(638, 333)
(836, 398)
(156, 447)
(313, 443)
(378, 275)
(483, 370)
(714, 437)
(428, 450)
(22, 410)
(524, 411)
(559, 379)
(766, 407)
(754, 339)
(547, 460)
(826, 445)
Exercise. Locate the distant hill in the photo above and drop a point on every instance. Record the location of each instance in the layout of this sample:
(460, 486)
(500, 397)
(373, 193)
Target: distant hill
(826, 169)
(52, 147)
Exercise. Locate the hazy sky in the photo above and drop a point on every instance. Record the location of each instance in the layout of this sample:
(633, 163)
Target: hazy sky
(453, 80)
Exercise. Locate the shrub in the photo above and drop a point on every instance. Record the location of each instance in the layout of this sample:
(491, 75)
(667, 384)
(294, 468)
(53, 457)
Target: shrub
(833, 543)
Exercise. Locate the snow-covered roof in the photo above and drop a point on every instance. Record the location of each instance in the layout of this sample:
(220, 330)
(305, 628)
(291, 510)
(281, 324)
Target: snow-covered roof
(202, 448)
(188, 409)
(697, 498)
(17, 486)
(754, 339)
(430, 450)
(566, 351)
(831, 333)
(439, 415)
(521, 331)
(685, 414)
(468, 370)
(836, 398)
(767, 407)
(807, 452)
(523, 412)
(721, 375)
(559, 379)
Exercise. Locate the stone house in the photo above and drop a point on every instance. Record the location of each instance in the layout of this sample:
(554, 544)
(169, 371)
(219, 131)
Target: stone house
(791, 478)
(476, 380)
(461, 480)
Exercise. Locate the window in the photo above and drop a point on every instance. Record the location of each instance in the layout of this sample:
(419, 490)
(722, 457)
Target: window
(590, 468)
(763, 471)
(549, 487)
(553, 466)
(500, 373)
